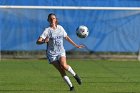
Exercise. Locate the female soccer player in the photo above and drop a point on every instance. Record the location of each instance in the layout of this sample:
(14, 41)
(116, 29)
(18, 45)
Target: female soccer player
(53, 36)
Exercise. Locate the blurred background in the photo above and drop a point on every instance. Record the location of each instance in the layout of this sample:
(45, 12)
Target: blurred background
(112, 33)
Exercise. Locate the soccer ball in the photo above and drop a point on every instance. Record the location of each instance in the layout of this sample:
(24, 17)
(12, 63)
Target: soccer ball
(82, 31)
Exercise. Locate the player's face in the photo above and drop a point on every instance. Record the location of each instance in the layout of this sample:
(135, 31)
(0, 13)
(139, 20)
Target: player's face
(52, 19)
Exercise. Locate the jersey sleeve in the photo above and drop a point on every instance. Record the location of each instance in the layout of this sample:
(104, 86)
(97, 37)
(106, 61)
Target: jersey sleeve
(64, 32)
(44, 34)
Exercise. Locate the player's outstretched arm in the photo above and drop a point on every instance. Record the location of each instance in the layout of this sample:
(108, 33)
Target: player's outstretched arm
(40, 40)
(73, 43)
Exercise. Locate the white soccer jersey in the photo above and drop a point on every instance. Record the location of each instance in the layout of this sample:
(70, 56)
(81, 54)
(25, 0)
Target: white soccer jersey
(55, 45)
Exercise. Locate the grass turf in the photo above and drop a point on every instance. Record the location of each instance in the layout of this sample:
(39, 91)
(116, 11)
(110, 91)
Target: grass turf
(98, 76)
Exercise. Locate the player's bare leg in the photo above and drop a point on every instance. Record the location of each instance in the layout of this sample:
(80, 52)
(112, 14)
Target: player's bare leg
(63, 74)
(69, 69)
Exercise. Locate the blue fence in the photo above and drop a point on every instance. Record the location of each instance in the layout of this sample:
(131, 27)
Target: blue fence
(116, 31)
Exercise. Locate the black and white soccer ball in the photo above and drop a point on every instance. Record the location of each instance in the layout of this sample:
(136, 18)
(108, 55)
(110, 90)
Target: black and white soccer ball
(82, 31)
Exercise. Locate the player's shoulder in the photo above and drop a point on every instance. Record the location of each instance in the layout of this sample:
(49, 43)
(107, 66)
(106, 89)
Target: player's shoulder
(59, 26)
(47, 29)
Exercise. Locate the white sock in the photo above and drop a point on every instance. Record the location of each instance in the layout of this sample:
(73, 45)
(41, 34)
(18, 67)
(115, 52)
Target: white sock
(66, 78)
(71, 71)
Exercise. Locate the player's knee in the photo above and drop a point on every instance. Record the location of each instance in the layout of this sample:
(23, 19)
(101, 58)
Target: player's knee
(65, 66)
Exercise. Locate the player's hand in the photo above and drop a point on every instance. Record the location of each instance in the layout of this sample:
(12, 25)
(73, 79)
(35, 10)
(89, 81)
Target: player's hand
(46, 40)
(80, 46)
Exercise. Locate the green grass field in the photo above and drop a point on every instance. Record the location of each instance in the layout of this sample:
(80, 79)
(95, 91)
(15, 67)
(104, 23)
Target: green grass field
(98, 76)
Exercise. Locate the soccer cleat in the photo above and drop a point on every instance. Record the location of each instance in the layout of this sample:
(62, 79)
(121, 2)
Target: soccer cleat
(71, 88)
(78, 79)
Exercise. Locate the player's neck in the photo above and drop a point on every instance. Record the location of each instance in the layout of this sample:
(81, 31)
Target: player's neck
(53, 26)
